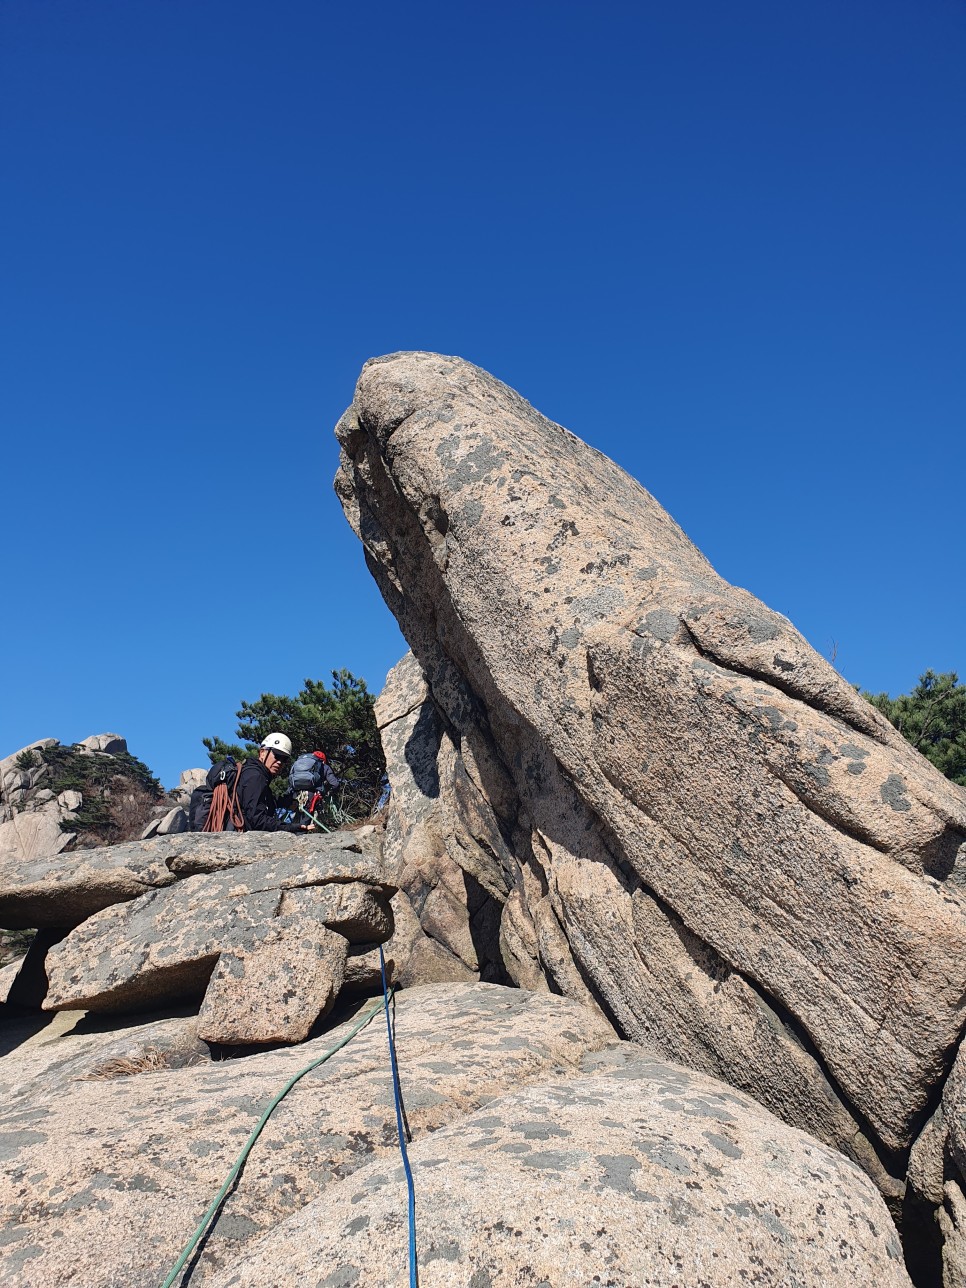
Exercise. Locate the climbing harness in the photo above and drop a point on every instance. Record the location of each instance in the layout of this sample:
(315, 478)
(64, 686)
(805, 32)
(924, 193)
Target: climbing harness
(316, 806)
(364, 1019)
(308, 809)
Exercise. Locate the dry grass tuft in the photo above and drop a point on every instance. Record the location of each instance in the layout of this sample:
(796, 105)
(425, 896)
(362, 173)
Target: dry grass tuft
(150, 1060)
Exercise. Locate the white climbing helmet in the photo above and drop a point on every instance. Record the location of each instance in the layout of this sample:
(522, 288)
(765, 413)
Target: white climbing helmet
(279, 743)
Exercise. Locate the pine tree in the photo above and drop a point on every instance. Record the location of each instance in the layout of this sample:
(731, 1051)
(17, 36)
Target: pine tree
(339, 720)
(933, 718)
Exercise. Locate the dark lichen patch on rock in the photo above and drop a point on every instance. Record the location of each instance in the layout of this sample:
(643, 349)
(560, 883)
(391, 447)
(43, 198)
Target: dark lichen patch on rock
(893, 792)
(723, 1144)
(617, 1171)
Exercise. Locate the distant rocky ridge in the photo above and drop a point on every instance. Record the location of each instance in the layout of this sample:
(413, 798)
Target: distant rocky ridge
(39, 817)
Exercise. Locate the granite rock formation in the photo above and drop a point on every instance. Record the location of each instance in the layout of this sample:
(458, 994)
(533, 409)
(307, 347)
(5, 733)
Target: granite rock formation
(429, 843)
(637, 1172)
(31, 815)
(529, 1119)
(261, 925)
(42, 797)
(678, 811)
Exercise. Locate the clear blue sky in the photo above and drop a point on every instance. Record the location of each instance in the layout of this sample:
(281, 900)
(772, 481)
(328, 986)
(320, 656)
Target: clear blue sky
(724, 243)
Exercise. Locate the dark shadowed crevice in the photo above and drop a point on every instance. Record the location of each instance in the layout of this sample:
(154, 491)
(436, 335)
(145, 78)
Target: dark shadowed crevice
(30, 985)
(892, 1162)
(484, 918)
(940, 854)
(922, 1241)
(424, 769)
(599, 999)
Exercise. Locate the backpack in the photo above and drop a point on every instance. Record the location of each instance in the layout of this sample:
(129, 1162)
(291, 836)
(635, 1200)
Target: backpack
(214, 806)
(307, 773)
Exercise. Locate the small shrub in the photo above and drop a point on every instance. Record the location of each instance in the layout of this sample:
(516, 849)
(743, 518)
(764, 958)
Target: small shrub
(147, 1061)
(27, 759)
(119, 815)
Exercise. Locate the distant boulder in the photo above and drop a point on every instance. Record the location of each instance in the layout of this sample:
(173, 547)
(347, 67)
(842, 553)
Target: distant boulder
(169, 824)
(108, 744)
(189, 780)
(33, 821)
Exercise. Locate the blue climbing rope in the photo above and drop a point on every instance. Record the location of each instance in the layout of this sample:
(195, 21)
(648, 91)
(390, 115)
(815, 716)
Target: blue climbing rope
(413, 1271)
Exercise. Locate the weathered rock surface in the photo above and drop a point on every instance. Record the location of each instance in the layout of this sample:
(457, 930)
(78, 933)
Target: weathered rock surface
(952, 1212)
(524, 1100)
(637, 1173)
(685, 1001)
(428, 822)
(153, 1148)
(274, 990)
(108, 744)
(691, 820)
(30, 814)
(164, 945)
(64, 891)
(24, 837)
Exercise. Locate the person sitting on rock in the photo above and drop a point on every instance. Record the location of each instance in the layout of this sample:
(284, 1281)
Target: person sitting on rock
(254, 794)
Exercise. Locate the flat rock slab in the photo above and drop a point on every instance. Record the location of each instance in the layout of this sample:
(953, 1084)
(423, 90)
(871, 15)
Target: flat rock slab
(87, 1154)
(164, 945)
(65, 889)
(641, 1173)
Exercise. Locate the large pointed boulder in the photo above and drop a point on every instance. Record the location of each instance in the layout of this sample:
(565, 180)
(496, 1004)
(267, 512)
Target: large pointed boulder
(702, 828)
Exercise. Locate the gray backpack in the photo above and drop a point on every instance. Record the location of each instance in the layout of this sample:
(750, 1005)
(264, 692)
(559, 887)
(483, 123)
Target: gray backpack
(309, 772)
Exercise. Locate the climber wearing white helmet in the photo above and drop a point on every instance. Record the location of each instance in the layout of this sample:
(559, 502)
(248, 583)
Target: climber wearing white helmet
(255, 795)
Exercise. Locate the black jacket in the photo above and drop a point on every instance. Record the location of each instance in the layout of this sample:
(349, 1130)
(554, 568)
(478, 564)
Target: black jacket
(257, 801)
